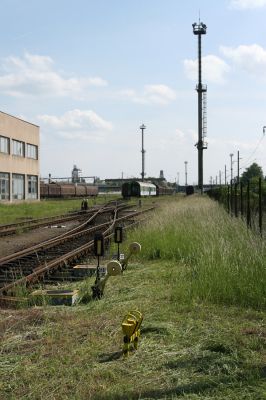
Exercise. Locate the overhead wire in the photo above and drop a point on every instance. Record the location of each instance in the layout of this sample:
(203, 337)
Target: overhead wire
(255, 149)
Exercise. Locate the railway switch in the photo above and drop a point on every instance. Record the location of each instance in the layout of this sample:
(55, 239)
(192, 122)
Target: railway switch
(118, 239)
(98, 251)
(134, 248)
(118, 234)
(131, 330)
(114, 268)
(99, 245)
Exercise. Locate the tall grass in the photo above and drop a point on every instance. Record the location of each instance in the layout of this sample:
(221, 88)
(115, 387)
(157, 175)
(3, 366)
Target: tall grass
(219, 259)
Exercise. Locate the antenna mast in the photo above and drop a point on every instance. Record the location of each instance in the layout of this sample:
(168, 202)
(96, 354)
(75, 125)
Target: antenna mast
(201, 29)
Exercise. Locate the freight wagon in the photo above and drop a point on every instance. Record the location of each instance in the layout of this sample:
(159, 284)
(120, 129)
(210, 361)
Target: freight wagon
(57, 190)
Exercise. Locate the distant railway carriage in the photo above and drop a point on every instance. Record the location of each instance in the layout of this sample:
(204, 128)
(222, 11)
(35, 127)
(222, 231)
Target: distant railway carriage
(64, 190)
(163, 190)
(139, 189)
(142, 189)
(126, 190)
(189, 190)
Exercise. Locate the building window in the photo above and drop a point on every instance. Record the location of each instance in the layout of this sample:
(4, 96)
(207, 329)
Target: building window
(4, 144)
(32, 187)
(4, 186)
(18, 148)
(32, 151)
(18, 192)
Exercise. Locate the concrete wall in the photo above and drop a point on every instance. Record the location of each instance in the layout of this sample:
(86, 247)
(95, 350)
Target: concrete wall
(15, 128)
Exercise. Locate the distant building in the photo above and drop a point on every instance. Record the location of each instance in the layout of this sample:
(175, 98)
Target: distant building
(75, 174)
(161, 174)
(19, 159)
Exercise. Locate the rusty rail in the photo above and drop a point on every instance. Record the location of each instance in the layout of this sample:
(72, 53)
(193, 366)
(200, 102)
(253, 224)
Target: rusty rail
(81, 251)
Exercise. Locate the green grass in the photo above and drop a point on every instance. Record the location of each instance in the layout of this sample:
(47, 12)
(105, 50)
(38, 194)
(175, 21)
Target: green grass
(219, 259)
(15, 212)
(191, 347)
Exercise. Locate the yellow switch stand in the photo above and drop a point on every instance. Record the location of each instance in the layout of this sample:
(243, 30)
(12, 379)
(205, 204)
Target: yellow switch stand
(131, 330)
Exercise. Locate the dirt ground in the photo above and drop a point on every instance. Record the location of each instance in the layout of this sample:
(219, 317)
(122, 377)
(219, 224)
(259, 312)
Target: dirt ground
(14, 243)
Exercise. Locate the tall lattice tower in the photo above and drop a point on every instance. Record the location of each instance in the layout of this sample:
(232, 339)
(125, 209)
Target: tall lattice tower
(201, 29)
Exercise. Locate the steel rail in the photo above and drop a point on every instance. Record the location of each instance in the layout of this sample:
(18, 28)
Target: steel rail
(74, 254)
(12, 229)
(41, 270)
(9, 229)
(57, 240)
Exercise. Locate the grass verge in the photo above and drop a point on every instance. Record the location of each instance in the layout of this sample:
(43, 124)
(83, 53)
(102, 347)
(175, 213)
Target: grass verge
(15, 212)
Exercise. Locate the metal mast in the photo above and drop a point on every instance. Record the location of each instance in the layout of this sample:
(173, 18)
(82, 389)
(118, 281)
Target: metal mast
(231, 156)
(142, 127)
(201, 29)
(186, 173)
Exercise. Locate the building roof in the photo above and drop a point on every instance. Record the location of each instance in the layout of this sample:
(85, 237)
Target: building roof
(2, 112)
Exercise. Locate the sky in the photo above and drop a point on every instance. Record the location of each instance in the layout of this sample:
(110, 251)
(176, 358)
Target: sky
(90, 72)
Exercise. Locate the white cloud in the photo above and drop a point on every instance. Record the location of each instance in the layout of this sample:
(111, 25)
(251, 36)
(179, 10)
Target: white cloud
(160, 94)
(251, 59)
(36, 75)
(152, 94)
(179, 134)
(214, 69)
(247, 4)
(76, 124)
(237, 144)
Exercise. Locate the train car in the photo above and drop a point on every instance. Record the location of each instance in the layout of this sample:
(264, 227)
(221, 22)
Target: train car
(50, 190)
(80, 191)
(92, 190)
(189, 190)
(126, 190)
(163, 190)
(138, 189)
(142, 189)
(66, 190)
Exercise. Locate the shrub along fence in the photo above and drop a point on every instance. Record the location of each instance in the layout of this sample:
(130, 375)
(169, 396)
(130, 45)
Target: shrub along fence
(247, 201)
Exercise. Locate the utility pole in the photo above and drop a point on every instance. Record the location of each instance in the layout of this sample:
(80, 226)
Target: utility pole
(142, 127)
(220, 177)
(185, 173)
(201, 29)
(231, 155)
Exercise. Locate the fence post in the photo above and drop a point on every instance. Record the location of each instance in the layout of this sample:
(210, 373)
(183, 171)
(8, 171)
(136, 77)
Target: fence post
(241, 199)
(260, 206)
(231, 196)
(248, 206)
(236, 205)
(228, 198)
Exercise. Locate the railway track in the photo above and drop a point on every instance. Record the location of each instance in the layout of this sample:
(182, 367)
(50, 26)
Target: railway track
(12, 229)
(41, 261)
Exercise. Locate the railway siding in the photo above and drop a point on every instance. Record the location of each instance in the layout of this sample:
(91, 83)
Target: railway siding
(31, 264)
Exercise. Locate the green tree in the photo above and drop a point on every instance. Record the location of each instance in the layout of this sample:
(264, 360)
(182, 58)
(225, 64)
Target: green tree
(254, 171)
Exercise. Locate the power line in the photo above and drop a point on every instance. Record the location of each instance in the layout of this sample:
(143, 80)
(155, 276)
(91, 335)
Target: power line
(255, 149)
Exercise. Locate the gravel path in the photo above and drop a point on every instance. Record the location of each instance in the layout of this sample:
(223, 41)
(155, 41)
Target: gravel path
(14, 243)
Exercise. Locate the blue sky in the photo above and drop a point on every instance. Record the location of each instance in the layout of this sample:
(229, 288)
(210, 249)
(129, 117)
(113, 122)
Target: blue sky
(89, 73)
